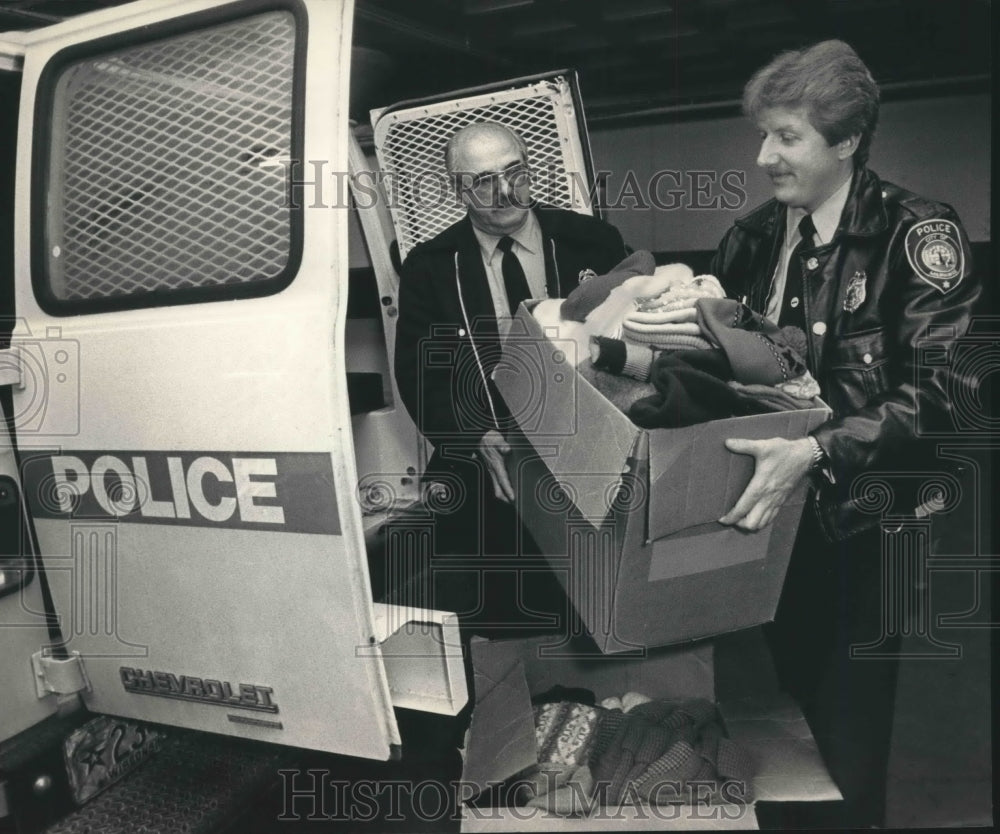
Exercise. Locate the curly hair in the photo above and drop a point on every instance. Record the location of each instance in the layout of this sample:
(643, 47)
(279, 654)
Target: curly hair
(831, 82)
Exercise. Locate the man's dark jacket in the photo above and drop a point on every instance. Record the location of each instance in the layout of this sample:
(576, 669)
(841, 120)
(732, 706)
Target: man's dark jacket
(872, 295)
(447, 340)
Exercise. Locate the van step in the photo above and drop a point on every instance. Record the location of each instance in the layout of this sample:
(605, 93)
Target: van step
(196, 782)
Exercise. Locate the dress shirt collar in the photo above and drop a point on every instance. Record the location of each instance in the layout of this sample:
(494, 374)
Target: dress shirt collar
(826, 218)
(529, 236)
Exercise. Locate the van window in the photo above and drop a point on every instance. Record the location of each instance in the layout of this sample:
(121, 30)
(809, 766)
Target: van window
(165, 169)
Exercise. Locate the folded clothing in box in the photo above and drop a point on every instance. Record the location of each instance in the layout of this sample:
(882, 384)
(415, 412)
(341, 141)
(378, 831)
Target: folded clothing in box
(627, 516)
(727, 684)
(661, 751)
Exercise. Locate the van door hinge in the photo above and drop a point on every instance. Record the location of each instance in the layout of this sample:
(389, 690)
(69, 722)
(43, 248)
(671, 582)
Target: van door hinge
(10, 367)
(59, 675)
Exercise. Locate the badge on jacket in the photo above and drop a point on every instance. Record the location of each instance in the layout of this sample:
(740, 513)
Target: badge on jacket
(934, 249)
(586, 275)
(857, 291)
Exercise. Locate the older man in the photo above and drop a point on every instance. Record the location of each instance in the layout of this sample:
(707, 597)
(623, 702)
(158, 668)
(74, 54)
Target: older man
(866, 269)
(458, 293)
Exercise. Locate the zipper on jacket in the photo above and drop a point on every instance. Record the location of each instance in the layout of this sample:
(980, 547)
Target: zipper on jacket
(555, 267)
(472, 341)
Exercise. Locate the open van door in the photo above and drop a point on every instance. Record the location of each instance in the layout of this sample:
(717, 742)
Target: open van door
(178, 380)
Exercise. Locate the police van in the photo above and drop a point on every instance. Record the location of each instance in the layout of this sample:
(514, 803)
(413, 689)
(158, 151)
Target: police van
(203, 440)
(204, 453)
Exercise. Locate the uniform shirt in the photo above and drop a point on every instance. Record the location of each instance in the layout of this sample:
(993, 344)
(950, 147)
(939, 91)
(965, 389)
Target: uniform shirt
(826, 219)
(528, 246)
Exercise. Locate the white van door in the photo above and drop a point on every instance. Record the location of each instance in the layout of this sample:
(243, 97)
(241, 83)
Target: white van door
(182, 421)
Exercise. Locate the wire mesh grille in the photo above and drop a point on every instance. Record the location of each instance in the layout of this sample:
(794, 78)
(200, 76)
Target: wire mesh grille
(168, 163)
(411, 155)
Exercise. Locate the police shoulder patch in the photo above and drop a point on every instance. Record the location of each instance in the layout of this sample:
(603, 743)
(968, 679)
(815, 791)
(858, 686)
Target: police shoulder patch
(934, 250)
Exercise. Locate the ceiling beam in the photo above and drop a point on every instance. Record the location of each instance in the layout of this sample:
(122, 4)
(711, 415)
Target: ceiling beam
(23, 14)
(472, 7)
(411, 29)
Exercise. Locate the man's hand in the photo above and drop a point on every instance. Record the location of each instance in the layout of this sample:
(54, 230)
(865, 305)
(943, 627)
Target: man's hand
(780, 465)
(493, 449)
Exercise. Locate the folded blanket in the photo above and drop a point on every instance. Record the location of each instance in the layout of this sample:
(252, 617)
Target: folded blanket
(659, 748)
(692, 387)
(564, 732)
(658, 752)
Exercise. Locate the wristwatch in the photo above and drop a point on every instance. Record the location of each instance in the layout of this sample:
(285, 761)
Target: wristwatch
(818, 455)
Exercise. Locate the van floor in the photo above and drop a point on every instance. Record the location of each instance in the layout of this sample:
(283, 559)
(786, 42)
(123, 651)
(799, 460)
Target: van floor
(940, 768)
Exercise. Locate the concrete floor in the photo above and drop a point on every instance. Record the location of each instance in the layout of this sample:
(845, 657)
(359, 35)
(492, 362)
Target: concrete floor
(940, 766)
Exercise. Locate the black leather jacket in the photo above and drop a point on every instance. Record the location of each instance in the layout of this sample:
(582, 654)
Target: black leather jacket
(871, 295)
(447, 340)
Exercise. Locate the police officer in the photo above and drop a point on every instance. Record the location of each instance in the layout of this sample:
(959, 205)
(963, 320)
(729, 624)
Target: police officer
(865, 268)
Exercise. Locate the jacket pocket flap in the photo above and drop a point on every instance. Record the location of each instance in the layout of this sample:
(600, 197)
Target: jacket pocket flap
(859, 350)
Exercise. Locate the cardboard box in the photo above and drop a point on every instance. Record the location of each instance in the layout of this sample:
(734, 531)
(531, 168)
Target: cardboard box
(627, 517)
(737, 676)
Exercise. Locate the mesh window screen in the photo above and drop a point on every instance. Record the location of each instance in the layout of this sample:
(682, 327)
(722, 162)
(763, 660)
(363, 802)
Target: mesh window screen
(410, 143)
(167, 164)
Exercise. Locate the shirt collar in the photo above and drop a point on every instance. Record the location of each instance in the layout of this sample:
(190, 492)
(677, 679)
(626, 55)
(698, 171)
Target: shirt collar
(529, 236)
(826, 218)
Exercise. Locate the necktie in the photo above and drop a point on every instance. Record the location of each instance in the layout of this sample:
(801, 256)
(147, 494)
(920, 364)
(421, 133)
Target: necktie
(792, 305)
(514, 281)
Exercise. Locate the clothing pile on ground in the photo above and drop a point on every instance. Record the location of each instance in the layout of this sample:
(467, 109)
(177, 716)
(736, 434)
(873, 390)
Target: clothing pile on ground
(670, 350)
(630, 750)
